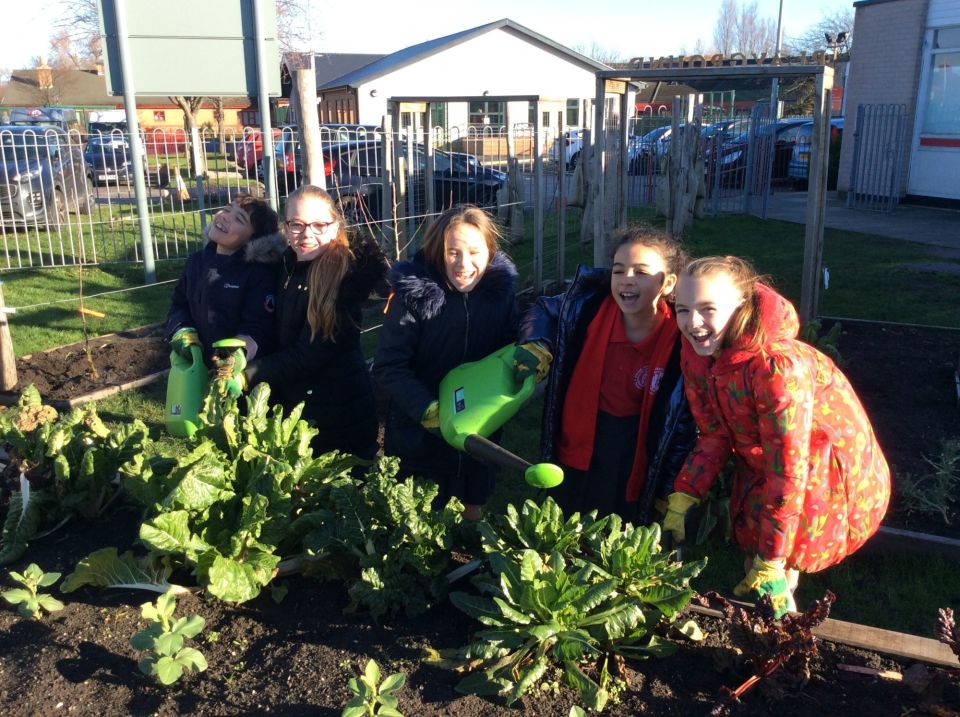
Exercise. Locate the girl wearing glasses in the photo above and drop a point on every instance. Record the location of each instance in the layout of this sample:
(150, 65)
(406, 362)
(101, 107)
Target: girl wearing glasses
(322, 285)
(452, 304)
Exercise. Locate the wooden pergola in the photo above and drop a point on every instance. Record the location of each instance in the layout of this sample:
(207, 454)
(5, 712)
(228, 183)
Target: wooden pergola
(615, 81)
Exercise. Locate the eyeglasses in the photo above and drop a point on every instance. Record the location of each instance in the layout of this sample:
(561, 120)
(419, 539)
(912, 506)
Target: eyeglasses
(298, 227)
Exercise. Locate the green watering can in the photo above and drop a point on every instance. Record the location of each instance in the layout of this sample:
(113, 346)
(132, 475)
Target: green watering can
(479, 397)
(186, 388)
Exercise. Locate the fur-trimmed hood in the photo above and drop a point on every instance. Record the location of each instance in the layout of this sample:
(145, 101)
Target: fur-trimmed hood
(425, 292)
(264, 250)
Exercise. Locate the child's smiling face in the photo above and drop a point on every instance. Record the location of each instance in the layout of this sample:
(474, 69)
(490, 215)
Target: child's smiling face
(465, 256)
(231, 229)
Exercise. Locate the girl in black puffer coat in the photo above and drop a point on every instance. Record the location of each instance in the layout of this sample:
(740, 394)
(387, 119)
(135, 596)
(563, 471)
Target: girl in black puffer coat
(455, 302)
(321, 289)
(615, 415)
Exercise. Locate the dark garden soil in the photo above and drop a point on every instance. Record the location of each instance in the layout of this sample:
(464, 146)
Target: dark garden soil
(295, 658)
(65, 373)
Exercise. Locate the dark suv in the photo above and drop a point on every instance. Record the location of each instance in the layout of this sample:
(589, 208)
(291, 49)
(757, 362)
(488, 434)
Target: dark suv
(108, 160)
(355, 176)
(41, 176)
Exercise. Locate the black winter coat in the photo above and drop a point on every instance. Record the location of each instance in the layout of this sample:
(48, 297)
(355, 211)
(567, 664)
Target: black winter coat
(328, 374)
(561, 323)
(227, 296)
(429, 329)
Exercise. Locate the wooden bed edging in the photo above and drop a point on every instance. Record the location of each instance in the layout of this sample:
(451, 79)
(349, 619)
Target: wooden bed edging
(889, 539)
(875, 639)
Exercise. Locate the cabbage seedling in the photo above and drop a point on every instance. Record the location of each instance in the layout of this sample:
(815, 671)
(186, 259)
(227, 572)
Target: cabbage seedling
(163, 640)
(29, 602)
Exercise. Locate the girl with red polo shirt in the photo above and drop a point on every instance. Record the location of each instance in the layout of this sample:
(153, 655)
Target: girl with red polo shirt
(615, 415)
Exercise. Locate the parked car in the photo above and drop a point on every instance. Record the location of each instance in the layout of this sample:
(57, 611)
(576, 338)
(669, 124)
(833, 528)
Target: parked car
(287, 146)
(644, 151)
(107, 157)
(355, 177)
(798, 168)
(41, 176)
(571, 143)
(777, 137)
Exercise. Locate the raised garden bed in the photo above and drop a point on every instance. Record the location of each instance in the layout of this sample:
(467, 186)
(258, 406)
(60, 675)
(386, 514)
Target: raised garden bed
(295, 657)
(124, 360)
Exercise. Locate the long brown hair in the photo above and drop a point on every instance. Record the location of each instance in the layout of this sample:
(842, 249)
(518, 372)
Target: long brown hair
(327, 269)
(744, 323)
(434, 243)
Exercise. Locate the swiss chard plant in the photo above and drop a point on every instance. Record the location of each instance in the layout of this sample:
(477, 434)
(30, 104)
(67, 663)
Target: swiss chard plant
(777, 651)
(392, 546)
(163, 640)
(584, 607)
(57, 466)
(224, 511)
(371, 697)
(29, 600)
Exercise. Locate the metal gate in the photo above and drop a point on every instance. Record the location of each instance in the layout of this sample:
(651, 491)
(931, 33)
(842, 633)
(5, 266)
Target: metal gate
(877, 157)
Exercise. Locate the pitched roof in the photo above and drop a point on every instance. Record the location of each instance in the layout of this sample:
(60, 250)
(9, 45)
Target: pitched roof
(70, 87)
(408, 55)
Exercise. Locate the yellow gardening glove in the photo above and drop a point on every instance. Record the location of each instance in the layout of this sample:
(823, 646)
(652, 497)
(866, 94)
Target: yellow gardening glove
(183, 339)
(431, 417)
(531, 356)
(768, 577)
(677, 506)
(229, 360)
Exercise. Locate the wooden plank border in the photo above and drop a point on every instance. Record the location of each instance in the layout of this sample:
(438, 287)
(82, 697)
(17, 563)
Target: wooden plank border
(875, 639)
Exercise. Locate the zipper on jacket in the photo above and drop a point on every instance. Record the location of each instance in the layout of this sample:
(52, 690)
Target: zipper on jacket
(466, 330)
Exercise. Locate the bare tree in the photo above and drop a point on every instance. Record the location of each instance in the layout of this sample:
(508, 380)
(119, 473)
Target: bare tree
(725, 31)
(814, 37)
(598, 52)
(755, 34)
(740, 28)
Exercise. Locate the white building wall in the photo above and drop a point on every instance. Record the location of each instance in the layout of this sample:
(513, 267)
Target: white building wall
(933, 169)
(498, 63)
(943, 13)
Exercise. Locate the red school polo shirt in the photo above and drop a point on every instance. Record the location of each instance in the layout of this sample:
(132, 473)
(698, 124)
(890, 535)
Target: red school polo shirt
(626, 372)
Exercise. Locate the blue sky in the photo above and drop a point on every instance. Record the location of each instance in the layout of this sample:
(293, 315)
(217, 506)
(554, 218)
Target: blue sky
(630, 27)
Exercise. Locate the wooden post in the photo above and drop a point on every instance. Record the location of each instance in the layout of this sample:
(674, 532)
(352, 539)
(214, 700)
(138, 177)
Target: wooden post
(308, 118)
(8, 361)
(816, 198)
(538, 198)
(562, 199)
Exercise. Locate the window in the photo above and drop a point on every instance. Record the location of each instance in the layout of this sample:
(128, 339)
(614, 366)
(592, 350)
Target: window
(487, 114)
(573, 112)
(438, 114)
(942, 103)
(159, 116)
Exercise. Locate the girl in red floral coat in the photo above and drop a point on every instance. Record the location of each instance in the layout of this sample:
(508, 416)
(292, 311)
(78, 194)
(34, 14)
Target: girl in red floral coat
(811, 483)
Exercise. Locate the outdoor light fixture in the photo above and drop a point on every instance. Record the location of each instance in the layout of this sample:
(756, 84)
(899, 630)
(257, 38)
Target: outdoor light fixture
(373, 92)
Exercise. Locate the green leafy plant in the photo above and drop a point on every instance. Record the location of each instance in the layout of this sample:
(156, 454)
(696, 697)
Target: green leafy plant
(30, 602)
(371, 697)
(828, 343)
(163, 639)
(384, 537)
(934, 494)
(595, 603)
(225, 510)
(57, 466)
(537, 526)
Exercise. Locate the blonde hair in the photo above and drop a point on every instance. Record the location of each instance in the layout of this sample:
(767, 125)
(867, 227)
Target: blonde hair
(327, 269)
(434, 242)
(744, 324)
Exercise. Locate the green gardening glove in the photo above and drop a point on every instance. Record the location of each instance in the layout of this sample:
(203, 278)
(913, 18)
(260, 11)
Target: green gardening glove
(229, 360)
(183, 339)
(431, 417)
(677, 506)
(531, 357)
(768, 577)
